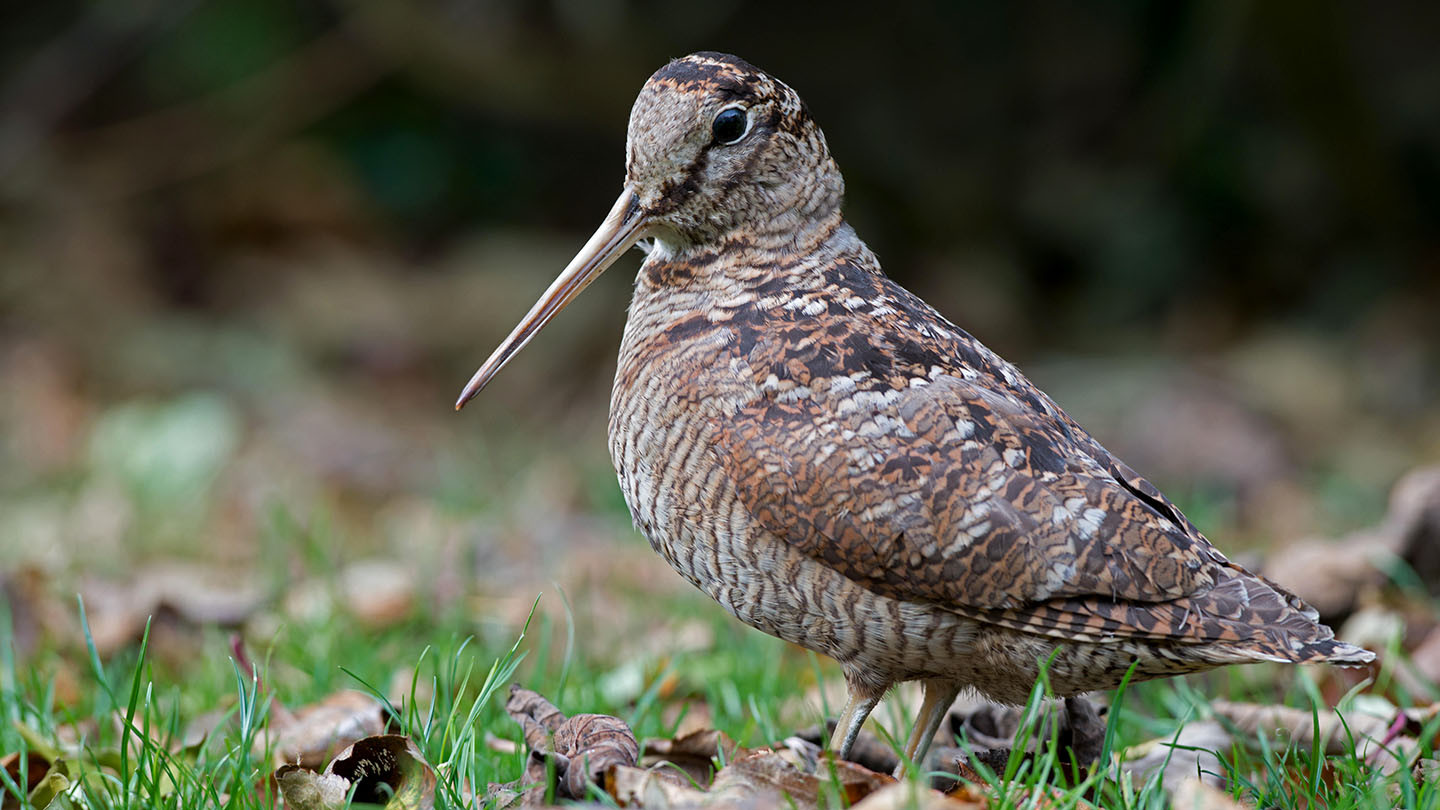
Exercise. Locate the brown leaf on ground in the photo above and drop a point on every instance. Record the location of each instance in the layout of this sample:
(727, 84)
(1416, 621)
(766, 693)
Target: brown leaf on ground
(1382, 742)
(657, 789)
(35, 767)
(1298, 724)
(1333, 574)
(501, 795)
(1049, 799)
(906, 796)
(305, 789)
(579, 748)
(36, 613)
(386, 770)
(311, 736)
(869, 750)
(1329, 574)
(778, 772)
(1188, 756)
(500, 745)
(179, 595)
(687, 716)
(990, 729)
(1427, 657)
(1415, 520)
(538, 717)
(379, 593)
(1193, 794)
(695, 754)
(1427, 771)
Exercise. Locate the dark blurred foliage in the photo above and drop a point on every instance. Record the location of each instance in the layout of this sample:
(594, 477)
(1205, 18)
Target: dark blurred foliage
(1121, 164)
(248, 195)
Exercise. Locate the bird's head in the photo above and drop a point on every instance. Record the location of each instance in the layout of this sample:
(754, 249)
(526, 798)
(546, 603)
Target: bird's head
(716, 147)
(716, 144)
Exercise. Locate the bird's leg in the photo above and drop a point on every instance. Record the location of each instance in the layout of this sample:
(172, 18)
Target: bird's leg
(857, 707)
(939, 695)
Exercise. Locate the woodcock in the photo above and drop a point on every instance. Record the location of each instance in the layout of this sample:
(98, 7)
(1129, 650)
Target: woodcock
(838, 465)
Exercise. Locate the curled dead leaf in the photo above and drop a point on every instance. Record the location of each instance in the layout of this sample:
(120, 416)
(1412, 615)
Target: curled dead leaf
(29, 772)
(31, 766)
(305, 789)
(386, 770)
(579, 748)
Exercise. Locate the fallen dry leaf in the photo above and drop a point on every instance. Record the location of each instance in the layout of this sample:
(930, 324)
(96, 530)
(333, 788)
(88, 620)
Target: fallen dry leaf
(990, 728)
(1298, 725)
(579, 748)
(687, 716)
(1330, 574)
(1193, 794)
(187, 594)
(778, 772)
(379, 593)
(305, 789)
(1427, 656)
(906, 796)
(36, 613)
(656, 789)
(694, 754)
(500, 745)
(869, 750)
(386, 770)
(312, 735)
(1187, 756)
(1414, 518)
(35, 769)
(1380, 741)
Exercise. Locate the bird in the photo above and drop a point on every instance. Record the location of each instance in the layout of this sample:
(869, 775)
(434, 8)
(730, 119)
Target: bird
(838, 465)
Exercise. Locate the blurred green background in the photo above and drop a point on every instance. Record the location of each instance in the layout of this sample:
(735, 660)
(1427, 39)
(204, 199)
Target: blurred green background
(251, 249)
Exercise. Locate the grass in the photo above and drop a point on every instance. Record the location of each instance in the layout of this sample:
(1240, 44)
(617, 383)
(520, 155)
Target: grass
(127, 724)
(131, 719)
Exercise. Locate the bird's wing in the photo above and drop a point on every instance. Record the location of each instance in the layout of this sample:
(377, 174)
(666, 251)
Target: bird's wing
(956, 493)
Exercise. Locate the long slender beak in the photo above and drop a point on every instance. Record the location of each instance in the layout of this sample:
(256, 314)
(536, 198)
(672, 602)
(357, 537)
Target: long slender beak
(622, 228)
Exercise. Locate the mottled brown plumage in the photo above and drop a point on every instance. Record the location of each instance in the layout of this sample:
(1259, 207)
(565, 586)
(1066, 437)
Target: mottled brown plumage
(838, 465)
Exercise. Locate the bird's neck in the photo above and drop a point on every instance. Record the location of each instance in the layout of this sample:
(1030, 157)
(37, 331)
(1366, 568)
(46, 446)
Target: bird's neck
(752, 257)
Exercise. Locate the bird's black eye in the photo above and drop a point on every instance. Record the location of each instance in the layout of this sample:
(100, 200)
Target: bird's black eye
(730, 126)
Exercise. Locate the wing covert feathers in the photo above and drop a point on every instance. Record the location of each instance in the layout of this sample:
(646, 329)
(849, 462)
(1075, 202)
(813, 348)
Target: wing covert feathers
(928, 469)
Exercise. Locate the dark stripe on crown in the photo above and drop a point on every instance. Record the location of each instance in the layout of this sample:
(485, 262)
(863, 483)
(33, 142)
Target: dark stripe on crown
(730, 74)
